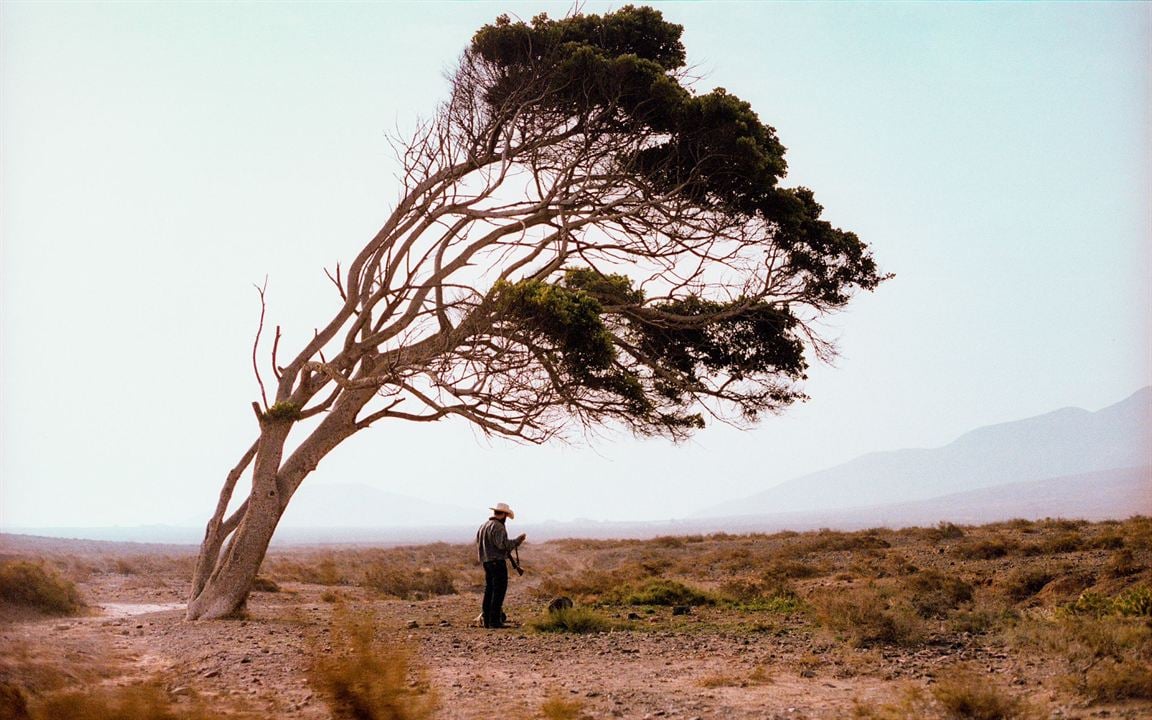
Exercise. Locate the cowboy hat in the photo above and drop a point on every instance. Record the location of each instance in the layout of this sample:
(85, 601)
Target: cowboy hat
(503, 508)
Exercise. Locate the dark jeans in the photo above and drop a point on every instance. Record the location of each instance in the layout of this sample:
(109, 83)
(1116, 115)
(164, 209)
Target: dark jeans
(495, 586)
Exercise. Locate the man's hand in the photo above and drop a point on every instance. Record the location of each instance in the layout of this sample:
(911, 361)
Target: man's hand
(521, 538)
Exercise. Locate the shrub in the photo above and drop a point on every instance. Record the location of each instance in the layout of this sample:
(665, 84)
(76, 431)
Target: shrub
(149, 700)
(667, 592)
(831, 541)
(13, 702)
(1090, 603)
(769, 597)
(1122, 563)
(943, 531)
(324, 571)
(792, 570)
(934, 594)
(868, 617)
(593, 585)
(1134, 601)
(31, 586)
(984, 549)
(965, 696)
(1109, 541)
(263, 584)
(1063, 543)
(409, 583)
(1025, 583)
(557, 707)
(1117, 680)
(363, 680)
(577, 620)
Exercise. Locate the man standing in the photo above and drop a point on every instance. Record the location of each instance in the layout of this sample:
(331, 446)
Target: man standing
(493, 548)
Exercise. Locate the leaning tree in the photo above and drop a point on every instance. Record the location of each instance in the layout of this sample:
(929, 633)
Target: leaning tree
(581, 239)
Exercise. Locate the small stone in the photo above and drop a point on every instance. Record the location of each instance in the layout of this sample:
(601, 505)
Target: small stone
(412, 624)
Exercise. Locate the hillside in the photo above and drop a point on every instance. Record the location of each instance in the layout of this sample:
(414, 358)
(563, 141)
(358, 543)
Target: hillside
(1063, 443)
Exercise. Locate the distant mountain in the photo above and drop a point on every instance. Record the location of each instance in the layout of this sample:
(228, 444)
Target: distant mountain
(1063, 443)
(351, 505)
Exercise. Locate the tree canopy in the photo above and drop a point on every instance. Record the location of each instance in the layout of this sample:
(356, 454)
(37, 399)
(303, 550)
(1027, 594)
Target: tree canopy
(581, 238)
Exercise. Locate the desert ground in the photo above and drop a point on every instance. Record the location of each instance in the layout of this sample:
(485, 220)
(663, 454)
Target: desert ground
(1023, 619)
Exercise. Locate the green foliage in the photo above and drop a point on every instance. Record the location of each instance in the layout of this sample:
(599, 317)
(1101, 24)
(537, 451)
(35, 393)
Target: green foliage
(32, 586)
(282, 412)
(563, 321)
(1135, 601)
(717, 153)
(743, 339)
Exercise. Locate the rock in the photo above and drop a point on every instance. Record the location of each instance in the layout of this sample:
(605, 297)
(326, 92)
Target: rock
(681, 610)
(412, 624)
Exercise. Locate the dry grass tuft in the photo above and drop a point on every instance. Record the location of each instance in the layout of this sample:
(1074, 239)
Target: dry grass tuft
(986, 549)
(32, 586)
(558, 707)
(578, 620)
(969, 696)
(934, 594)
(1113, 680)
(364, 680)
(869, 616)
(665, 592)
(410, 583)
(142, 701)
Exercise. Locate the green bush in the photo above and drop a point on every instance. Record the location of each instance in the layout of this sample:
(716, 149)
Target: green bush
(1135, 601)
(30, 585)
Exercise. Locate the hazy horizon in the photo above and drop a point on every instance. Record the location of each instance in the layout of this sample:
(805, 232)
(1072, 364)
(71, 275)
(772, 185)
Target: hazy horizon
(159, 160)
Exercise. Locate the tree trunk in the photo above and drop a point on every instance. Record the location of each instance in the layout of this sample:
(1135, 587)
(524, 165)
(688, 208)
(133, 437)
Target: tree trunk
(227, 588)
(222, 582)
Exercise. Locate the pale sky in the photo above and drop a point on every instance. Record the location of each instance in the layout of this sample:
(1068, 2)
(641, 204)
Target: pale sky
(159, 160)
